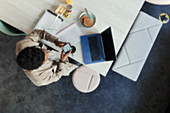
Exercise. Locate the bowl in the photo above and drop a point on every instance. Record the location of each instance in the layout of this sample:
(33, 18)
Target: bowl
(92, 16)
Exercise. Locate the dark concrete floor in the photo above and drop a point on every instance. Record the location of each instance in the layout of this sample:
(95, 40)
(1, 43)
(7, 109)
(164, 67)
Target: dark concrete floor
(115, 94)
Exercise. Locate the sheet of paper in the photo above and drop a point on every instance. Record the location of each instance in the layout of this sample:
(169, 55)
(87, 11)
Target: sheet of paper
(49, 22)
(70, 34)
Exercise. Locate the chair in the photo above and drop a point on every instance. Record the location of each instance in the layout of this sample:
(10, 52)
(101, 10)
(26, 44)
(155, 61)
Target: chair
(85, 79)
(9, 30)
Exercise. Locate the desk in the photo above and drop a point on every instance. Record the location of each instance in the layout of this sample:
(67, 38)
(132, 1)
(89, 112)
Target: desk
(119, 14)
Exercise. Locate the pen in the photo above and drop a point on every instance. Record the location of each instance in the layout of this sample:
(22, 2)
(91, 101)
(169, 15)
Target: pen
(57, 15)
(60, 11)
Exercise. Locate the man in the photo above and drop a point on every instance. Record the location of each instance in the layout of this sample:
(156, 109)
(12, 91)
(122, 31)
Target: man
(41, 65)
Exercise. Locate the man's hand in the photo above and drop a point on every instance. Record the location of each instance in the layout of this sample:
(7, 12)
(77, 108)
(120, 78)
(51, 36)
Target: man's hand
(64, 56)
(59, 43)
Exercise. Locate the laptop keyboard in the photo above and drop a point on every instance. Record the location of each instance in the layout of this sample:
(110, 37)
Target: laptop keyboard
(94, 48)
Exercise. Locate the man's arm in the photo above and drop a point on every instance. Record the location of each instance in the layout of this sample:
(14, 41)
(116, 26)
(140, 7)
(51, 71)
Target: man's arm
(34, 36)
(43, 77)
(46, 36)
(37, 35)
(50, 75)
(63, 69)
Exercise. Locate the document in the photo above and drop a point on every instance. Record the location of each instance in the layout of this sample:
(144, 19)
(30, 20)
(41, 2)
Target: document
(70, 34)
(49, 22)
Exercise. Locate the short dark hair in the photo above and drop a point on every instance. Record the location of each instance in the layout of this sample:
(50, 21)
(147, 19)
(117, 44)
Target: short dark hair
(30, 58)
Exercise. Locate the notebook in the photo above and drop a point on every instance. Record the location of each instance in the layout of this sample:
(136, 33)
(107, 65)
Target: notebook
(98, 47)
(49, 22)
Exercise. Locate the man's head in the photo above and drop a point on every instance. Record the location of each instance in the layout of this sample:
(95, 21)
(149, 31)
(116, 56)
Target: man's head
(31, 58)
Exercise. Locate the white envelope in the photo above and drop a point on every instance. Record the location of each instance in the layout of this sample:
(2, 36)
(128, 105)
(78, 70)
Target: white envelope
(137, 47)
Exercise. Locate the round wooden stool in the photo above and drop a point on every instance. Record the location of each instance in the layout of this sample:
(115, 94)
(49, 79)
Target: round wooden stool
(159, 2)
(85, 80)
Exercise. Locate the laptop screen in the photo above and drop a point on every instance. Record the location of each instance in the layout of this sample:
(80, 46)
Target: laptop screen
(108, 44)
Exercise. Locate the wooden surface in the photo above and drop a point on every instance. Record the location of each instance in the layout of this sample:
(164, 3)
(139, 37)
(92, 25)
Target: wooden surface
(24, 14)
(119, 14)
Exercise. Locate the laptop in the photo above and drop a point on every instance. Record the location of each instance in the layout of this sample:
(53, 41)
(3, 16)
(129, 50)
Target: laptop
(98, 47)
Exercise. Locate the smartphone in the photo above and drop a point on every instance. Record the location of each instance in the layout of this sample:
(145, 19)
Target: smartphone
(67, 48)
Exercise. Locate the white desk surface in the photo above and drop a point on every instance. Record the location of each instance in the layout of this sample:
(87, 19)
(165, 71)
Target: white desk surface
(119, 14)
